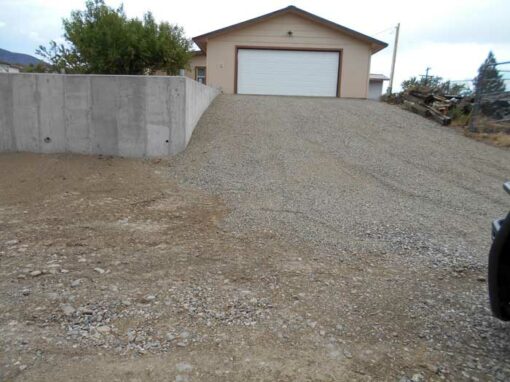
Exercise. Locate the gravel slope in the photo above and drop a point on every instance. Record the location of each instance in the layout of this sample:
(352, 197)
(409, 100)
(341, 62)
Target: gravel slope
(349, 176)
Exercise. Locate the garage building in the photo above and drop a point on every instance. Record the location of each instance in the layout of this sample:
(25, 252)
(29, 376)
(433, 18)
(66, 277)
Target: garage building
(286, 52)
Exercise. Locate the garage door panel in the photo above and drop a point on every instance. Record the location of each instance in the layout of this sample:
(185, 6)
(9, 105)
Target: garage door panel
(286, 72)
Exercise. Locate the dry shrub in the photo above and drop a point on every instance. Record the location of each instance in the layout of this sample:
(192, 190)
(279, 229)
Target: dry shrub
(500, 139)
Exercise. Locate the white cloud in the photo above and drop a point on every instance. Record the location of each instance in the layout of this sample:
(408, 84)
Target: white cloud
(2, 24)
(34, 36)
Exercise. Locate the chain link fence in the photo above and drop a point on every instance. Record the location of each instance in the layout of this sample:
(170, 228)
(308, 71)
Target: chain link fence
(491, 106)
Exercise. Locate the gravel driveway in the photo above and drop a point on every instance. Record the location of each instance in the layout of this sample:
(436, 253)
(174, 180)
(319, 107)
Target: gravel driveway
(349, 176)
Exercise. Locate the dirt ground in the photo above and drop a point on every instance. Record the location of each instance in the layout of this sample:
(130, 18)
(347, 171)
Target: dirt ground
(110, 271)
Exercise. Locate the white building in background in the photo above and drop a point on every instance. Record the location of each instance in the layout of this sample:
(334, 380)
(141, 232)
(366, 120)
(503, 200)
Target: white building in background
(7, 68)
(375, 86)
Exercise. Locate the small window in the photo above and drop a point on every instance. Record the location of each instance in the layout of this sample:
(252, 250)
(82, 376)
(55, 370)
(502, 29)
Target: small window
(200, 74)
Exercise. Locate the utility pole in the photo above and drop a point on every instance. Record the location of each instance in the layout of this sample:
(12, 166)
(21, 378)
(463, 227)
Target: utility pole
(397, 30)
(427, 75)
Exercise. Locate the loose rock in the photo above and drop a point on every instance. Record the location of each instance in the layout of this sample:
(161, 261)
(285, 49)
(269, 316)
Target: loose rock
(183, 367)
(104, 329)
(67, 309)
(149, 298)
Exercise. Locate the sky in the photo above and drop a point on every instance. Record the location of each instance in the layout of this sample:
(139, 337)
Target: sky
(451, 37)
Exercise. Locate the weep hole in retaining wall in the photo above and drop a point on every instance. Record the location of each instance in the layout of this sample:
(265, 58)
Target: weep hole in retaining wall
(133, 116)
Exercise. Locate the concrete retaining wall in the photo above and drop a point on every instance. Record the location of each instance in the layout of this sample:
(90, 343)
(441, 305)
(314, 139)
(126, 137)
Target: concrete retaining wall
(133, 116)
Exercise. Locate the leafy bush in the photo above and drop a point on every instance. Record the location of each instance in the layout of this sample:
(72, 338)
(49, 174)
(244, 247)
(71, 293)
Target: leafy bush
(103, 40)
(435, 85)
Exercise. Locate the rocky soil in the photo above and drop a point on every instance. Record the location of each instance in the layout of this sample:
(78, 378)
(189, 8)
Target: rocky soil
(294, 240)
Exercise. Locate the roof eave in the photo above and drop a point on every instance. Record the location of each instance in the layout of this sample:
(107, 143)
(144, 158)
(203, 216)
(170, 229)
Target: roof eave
(201, 43)
(360, 36)
(376, 45)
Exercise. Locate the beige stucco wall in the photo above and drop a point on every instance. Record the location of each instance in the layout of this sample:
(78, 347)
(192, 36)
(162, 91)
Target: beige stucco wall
(193, 63)
(305, 34)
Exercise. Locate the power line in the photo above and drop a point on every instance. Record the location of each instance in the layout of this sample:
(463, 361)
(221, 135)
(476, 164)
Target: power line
(384, 30)
(485, 80)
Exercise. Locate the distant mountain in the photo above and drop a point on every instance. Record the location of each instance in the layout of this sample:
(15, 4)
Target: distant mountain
(17, 58)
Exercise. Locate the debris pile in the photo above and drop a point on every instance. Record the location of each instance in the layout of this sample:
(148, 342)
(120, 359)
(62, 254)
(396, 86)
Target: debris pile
(431, 105)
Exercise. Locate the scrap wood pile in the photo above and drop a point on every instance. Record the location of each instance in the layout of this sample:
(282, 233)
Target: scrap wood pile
(437, 107)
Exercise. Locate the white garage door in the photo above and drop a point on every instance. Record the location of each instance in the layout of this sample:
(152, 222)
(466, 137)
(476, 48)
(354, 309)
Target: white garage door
(287, 72)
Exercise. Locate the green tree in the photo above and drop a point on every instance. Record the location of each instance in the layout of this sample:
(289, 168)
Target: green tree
(489, 79)
(434, 84)
(102, 40)
(40, 67)
(453, 88)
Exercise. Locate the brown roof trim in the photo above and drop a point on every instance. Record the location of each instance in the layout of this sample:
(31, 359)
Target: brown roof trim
(377, 45)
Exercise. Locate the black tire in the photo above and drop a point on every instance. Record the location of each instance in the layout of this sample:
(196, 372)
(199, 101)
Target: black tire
(499, 272)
